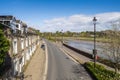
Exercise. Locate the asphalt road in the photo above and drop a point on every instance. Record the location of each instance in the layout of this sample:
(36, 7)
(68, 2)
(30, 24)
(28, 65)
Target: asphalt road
(61, 67)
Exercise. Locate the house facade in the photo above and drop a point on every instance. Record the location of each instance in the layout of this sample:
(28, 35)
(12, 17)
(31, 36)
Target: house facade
(23, 42)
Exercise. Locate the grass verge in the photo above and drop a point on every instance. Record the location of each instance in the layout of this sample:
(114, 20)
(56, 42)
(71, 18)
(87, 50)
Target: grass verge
(100, 73)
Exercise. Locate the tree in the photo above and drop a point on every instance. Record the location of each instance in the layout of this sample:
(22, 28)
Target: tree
(113, 47)
(4, 47)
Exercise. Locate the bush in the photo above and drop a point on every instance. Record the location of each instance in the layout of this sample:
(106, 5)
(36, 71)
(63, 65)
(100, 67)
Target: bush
(100, 73)
(4, 47)
(52, 39)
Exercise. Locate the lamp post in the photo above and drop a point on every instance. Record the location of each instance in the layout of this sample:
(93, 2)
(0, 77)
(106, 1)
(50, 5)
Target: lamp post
(62, 36)
(94, 50)
(55, 37)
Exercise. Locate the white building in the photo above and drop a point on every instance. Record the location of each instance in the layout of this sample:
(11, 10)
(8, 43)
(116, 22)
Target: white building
(9, 21)
(24, 42)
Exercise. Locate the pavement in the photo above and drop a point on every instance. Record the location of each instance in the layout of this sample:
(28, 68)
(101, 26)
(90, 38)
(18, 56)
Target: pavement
(35, 69)
(61, 67)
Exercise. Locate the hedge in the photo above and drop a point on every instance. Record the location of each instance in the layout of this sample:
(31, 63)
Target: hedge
(100, 72)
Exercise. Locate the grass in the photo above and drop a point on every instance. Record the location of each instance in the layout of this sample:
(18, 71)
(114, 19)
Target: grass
(52, 39)
(103, 40)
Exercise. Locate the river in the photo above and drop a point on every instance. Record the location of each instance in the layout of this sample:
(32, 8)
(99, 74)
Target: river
(87, 46)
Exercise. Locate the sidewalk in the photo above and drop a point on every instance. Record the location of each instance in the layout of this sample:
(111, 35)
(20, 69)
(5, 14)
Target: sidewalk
(35, 68)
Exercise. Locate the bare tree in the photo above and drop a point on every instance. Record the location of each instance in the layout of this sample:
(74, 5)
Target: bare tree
(112, 48)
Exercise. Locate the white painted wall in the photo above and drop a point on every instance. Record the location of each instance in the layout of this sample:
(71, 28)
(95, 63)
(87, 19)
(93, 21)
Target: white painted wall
(19, 26)
(29, 40)
(22, 43)
(23, 60)
(27, 55)
(15, 46)
(26, 42)
(16, 68)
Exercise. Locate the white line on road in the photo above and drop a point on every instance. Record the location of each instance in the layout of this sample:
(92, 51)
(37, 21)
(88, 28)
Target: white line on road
(66, 53)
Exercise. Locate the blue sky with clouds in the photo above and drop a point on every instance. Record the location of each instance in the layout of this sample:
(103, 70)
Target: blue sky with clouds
(53, 14)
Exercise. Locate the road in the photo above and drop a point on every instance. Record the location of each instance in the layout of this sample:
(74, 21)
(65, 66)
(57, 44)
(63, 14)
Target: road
(61, 67)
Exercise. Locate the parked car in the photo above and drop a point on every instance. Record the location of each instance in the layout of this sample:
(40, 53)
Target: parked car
(43, 46)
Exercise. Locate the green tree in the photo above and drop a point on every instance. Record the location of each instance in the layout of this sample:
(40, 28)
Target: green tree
(58, 34)
(4, 47)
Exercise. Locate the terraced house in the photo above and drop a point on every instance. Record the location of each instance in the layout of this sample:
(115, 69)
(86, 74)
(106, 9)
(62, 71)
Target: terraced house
(23, 43)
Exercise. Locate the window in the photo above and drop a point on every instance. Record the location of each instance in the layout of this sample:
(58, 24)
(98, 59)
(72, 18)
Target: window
(16, 26)
(1, 21)
(7, 23)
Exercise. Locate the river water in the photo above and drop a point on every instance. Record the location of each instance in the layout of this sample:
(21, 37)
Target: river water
(88, 46)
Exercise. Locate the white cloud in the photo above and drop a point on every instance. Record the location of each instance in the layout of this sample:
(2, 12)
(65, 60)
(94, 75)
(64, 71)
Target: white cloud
(79, 19)
(108, 17)
(80, 22)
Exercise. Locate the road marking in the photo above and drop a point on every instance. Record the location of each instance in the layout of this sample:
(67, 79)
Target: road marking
(46, 62)
(66, 53)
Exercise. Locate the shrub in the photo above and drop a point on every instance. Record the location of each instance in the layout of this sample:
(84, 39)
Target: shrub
(100, 72)
(4, 47)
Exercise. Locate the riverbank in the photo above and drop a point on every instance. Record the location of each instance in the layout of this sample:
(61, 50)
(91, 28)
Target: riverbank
(102, 40)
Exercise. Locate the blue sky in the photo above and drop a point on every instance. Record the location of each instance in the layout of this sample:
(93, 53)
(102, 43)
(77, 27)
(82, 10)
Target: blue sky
(35, 12)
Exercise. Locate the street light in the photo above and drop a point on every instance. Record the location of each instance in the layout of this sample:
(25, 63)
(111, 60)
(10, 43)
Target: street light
(62, 36)
(94, 50)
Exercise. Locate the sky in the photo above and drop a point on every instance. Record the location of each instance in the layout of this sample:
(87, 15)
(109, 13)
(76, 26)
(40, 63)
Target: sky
(66, 15)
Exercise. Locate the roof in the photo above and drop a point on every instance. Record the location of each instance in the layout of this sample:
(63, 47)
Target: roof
(6, 17)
